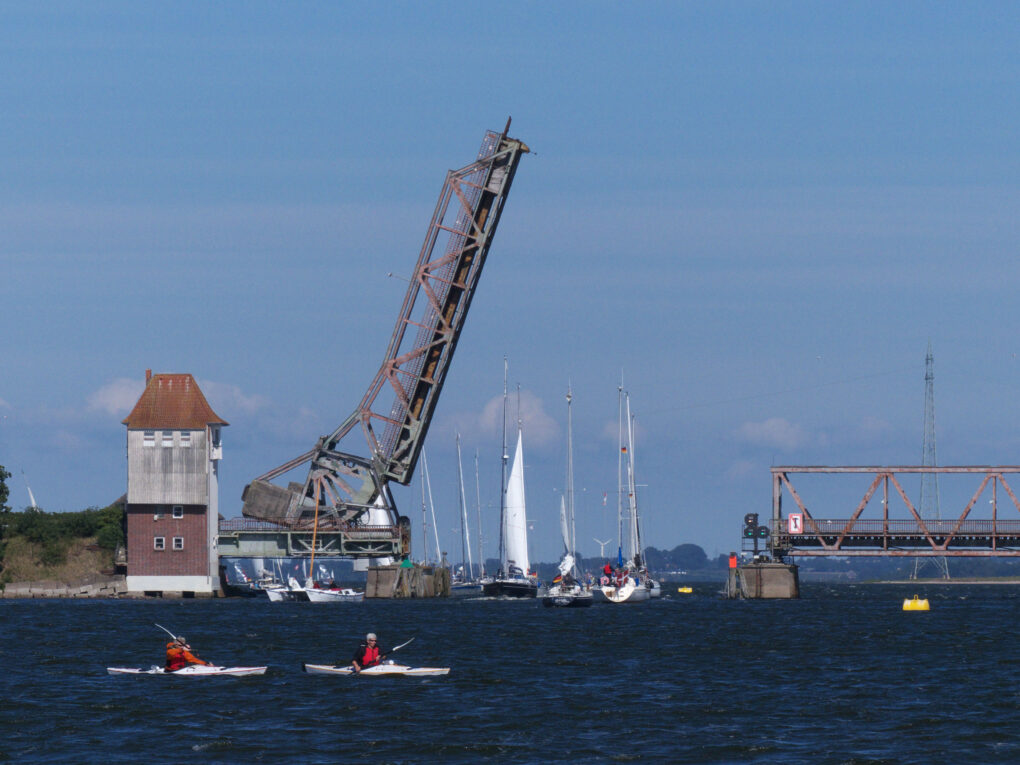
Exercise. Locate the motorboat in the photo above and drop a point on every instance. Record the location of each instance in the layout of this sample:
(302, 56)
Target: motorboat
(319, 594)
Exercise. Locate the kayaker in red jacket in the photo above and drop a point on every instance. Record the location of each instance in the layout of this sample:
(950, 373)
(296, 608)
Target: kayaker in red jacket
(369, 654)
(179, 655)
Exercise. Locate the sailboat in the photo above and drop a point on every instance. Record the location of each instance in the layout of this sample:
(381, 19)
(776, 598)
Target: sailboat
(463, 583)
(566, 591)
(320, 591)
(630, 583)
(513, 580)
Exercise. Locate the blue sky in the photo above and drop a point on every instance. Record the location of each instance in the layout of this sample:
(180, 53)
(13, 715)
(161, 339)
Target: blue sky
(758, 215)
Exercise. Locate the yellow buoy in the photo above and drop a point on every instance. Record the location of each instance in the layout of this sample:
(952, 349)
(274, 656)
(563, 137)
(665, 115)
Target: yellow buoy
(687, 590)
(916, 604)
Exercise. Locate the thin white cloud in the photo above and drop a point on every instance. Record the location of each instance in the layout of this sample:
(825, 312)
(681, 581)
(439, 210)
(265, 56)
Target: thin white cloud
(302, 426)
(870, 428)
(539, 428)
(611, 432)
(742, 469)
(68, 441)
(774, 432)
(225, 398)
(117, 396)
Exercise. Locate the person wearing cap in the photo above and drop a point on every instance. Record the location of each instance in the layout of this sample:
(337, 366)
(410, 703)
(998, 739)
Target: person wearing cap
(179, 655)
(369, 654)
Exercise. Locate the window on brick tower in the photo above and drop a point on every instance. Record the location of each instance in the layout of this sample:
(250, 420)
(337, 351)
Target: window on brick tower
(178, 543)
(149, 438)
(168, 438)
(185, 438)
(159, 543)
(178, 511)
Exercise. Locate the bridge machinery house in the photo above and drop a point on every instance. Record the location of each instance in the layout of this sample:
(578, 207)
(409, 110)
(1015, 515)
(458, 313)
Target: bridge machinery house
(173, 453)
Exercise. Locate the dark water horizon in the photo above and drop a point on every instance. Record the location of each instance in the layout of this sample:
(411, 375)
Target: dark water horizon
(841, 675)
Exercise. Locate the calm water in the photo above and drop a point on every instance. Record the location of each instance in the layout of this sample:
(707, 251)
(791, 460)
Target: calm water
(842, 675)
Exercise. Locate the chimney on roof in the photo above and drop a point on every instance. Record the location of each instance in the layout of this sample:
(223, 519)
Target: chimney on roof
(148, 376)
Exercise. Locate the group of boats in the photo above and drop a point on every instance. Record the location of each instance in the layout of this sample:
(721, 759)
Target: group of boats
(629, 581)
(316, 592)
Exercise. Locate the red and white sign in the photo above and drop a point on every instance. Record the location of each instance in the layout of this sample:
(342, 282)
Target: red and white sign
(795, 523)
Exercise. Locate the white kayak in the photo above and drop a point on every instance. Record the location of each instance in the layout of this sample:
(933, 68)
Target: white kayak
(379, 670)
(192, 670)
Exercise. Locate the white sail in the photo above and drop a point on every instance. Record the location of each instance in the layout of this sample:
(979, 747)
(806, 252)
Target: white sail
(566, 564)
(568, 560)
(516, 518)
(378, 515)
(564, 529)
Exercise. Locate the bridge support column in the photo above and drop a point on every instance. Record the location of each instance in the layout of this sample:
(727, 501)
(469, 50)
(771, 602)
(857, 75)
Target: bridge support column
(768, 580)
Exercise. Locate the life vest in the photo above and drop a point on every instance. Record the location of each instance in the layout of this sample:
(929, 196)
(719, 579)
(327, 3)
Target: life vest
(178, 657)
(175, 657)
(371, 655)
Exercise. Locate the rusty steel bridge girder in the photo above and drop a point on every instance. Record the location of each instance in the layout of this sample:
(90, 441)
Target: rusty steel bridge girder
(344, 487)
(799, 533)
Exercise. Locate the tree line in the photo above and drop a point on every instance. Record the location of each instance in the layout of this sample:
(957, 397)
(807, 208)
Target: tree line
(53, 533)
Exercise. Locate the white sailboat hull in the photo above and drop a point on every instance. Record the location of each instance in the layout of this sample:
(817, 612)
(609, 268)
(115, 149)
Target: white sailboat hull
(567, 597)
(630, 591)
(279, 594)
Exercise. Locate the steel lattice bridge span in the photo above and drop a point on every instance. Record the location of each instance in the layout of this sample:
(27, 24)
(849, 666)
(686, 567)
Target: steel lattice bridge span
(800, 533)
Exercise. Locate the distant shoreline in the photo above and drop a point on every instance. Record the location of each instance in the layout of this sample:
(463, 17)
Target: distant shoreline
(975, 580)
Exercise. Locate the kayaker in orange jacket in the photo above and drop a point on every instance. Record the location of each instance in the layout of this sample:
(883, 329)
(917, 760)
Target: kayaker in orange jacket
(179, 655)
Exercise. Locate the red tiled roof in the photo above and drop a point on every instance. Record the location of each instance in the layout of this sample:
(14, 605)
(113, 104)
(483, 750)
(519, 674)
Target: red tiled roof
(172, 402)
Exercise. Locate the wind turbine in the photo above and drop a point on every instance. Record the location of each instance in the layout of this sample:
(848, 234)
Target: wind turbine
(602, 546)
(30, 495)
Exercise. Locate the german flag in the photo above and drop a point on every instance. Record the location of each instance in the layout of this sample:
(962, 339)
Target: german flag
(557, 579)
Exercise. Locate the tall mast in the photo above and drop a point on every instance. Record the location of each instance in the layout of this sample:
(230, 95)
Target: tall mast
(465, 534)
(432, 508)
(520, 430)
(502, 486)
(478, 509)
(619, 481)
(424, 520)
(635, 529)
(570, 480)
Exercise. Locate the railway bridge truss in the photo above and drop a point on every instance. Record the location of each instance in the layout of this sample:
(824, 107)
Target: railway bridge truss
(886, 523)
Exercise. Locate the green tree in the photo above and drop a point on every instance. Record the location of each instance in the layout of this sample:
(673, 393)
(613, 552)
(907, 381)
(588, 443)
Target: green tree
(5, 514)
(4, 491)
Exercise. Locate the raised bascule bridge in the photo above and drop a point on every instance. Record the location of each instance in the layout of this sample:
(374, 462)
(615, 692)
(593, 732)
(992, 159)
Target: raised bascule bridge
(343, 507)
(884, 522)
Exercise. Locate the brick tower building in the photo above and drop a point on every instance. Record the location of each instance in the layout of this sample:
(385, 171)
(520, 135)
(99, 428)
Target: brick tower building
(173, 453)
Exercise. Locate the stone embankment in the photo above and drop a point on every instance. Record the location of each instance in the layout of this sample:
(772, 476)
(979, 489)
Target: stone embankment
(94, 586)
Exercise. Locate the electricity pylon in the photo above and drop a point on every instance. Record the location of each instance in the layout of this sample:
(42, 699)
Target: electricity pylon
(928, 506)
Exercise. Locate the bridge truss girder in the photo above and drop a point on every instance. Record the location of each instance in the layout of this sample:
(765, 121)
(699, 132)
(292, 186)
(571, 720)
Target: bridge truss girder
(395, 412)
(913, 536)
